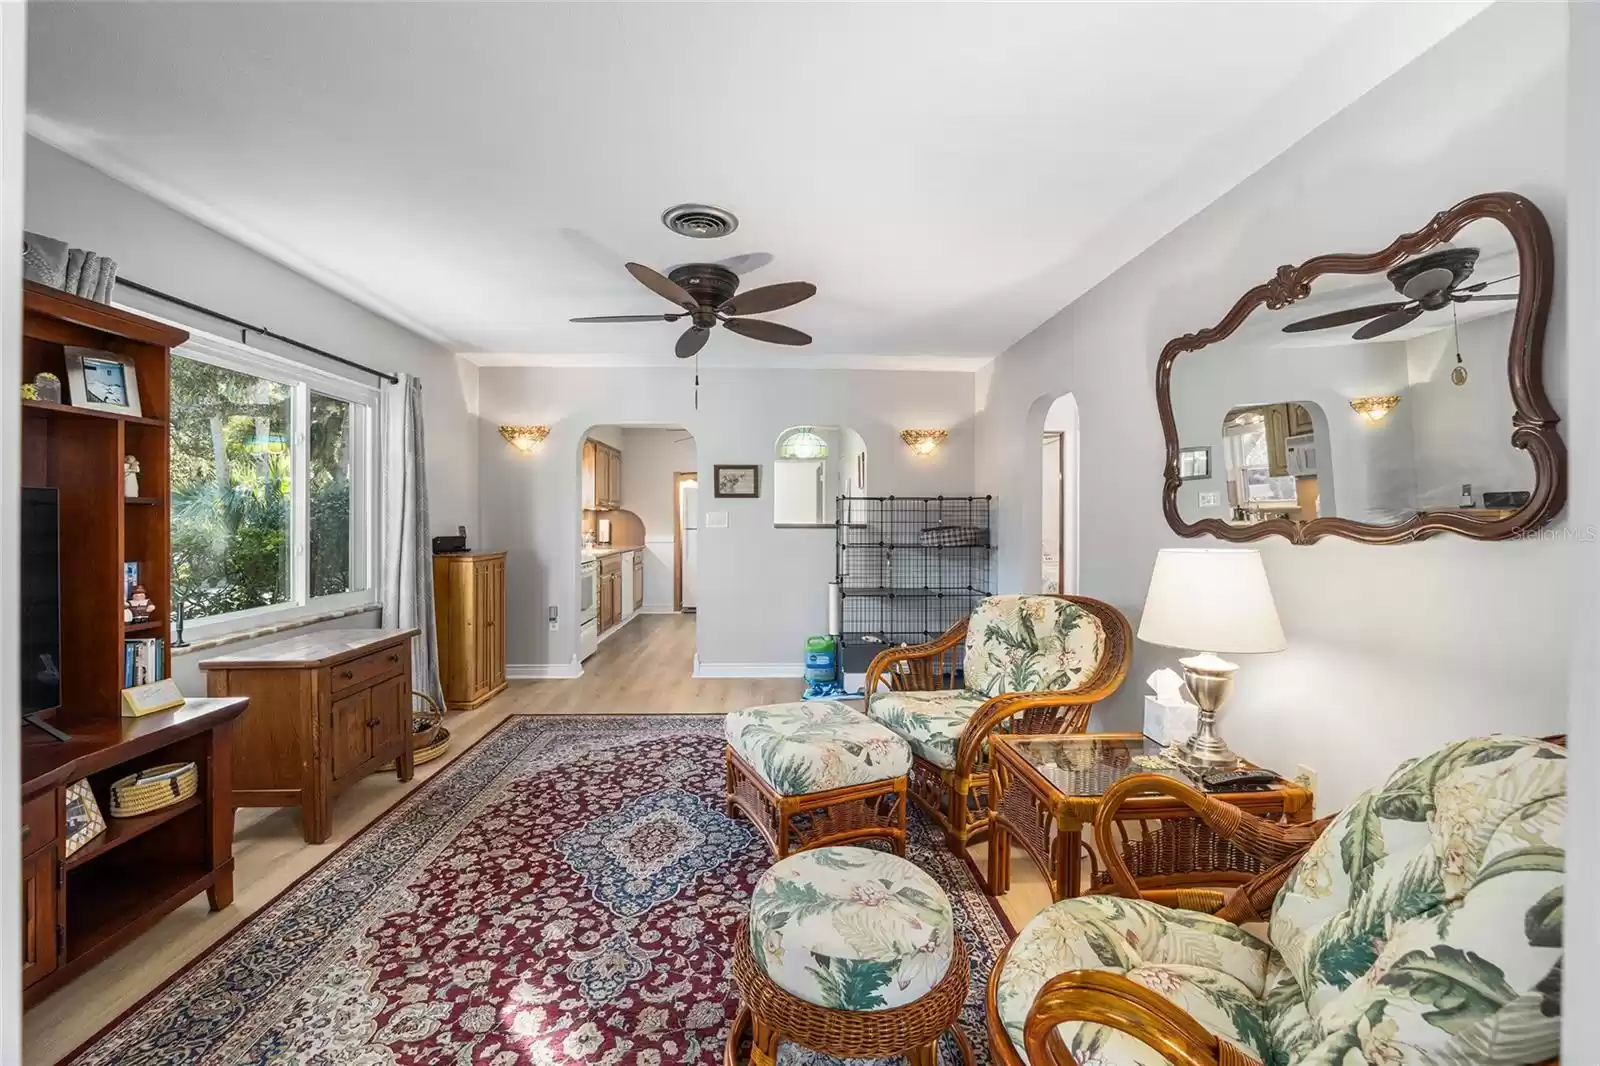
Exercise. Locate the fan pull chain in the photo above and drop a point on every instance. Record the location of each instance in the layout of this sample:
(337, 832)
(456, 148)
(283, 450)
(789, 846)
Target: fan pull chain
(697, 381)
(1459, 373)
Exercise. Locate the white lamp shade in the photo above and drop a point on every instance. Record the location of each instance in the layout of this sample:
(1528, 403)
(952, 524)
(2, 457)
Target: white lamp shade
(1211, 599)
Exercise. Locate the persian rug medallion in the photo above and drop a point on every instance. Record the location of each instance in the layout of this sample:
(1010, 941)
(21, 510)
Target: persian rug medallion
(563, 894)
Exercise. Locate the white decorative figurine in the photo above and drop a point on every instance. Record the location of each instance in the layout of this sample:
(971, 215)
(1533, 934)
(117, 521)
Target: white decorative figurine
(130, 476)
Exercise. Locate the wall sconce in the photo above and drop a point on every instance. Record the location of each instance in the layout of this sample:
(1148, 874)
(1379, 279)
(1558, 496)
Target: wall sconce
(525, 439)
(923, 441)
(1374, 408)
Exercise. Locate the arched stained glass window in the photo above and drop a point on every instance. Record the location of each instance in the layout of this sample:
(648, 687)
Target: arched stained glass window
(802, 442)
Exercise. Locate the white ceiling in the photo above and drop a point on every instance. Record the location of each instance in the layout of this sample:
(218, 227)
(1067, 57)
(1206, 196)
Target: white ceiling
(949, 175)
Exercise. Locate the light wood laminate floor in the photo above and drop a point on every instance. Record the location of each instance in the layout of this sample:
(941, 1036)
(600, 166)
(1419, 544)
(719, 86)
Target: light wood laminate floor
(644, 668)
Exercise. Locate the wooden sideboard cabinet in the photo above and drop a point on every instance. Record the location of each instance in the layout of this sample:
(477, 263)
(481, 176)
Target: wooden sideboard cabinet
(326, 710)
(469, 605)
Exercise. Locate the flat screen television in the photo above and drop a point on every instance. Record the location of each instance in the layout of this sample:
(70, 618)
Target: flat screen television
(41, 603)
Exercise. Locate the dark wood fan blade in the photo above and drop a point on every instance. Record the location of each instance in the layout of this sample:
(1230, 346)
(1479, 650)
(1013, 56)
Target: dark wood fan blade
(769, 298)
(1342, 318)
(627, 318)
(662, 286)
(1480, 286)
(1462, 298)
(770, 332)
(693, 339)
(1388, 323)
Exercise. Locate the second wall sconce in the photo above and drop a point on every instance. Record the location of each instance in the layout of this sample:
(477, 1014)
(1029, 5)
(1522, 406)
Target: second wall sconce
(525, 439)
(923, 441)
(1374, 408)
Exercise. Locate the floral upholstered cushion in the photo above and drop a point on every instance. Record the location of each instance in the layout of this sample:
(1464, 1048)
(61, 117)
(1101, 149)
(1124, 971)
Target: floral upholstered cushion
(931, 722)
(800, 748)
(851, 928)
(1211, 968)
(1031, 644)
(1424, 926)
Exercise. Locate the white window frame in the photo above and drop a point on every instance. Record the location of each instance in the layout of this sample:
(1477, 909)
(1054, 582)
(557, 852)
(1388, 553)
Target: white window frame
(365, 479)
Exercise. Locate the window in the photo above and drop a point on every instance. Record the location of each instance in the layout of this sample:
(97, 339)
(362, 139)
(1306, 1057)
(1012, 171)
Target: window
(802, 442)
(272, 486)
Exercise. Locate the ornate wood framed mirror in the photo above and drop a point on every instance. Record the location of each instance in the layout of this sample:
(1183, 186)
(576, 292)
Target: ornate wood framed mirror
(1382, 397)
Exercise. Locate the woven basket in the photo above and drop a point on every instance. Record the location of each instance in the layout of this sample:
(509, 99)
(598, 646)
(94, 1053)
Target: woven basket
(136, 794)
(429, 738)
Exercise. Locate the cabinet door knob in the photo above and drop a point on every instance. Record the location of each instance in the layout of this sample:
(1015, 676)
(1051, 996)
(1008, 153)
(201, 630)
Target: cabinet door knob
(394, 657)
(27, 830)
(373, 723)
(347, 674)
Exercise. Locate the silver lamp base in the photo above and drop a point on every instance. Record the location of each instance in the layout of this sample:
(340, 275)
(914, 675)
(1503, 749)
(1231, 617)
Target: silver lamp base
(1209, 679)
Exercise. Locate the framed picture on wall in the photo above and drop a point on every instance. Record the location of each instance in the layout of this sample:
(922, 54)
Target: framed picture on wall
(736, 482)
(1194, 463)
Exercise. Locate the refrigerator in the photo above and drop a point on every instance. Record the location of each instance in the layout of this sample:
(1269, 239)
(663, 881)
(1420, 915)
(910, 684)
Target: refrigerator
(689, 508)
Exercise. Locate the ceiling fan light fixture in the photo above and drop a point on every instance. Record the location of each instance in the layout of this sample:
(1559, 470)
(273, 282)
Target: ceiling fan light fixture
(525, 439)
(700, 221)
(1374, 408)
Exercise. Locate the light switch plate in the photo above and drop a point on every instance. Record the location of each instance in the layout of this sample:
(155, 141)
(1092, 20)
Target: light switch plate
(716, 519)
(1210, 499)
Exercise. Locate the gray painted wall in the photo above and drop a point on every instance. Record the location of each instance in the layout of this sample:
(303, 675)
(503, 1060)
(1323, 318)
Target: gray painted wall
(762, 590)
(1392, 650)
(159, 247)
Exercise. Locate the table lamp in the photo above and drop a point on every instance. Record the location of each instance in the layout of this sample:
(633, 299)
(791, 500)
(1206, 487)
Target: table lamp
(1211, 601)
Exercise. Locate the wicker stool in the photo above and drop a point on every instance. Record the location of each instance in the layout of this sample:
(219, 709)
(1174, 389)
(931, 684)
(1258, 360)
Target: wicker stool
(789, 993)
(808, 775)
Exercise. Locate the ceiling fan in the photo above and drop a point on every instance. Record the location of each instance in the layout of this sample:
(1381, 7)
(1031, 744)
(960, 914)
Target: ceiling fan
(1429, 282)
(709, 295)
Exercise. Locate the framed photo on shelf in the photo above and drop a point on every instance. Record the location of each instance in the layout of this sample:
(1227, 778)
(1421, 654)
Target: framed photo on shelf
(736, 482)
(1194, 463)
(101, 381)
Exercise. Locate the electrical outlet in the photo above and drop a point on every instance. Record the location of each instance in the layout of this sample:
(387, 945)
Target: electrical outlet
(1210, 499)
(1306, 778)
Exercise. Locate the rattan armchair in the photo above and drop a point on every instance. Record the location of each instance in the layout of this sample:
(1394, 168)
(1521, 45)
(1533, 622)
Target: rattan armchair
(957, 797)
(1121, 1003)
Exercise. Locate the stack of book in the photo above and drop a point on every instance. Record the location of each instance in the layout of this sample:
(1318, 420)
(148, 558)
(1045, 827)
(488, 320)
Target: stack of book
(143, 661)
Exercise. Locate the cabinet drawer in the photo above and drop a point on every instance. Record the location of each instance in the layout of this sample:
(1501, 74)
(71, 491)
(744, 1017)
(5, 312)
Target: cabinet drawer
(38, 821)
(364, 671)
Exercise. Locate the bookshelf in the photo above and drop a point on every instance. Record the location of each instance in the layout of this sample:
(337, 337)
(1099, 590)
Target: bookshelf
(80, 908)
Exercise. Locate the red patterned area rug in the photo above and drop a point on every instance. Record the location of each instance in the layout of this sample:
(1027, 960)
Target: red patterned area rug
(564, 893)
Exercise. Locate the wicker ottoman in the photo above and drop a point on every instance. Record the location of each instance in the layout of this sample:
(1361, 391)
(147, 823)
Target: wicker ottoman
(871, 965)
(810, 774)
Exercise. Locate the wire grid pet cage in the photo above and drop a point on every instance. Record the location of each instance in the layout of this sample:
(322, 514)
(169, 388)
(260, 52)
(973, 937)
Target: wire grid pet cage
(909, 567)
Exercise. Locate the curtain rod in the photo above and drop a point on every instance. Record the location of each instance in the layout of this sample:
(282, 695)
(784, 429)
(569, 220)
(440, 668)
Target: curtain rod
(169, 298)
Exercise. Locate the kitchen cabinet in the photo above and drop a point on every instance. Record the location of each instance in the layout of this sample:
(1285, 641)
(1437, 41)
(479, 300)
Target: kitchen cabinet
(602, 476)
(610, 592)
(1277, 426)
(1299, 420)
(638, 580)
(326, 709)
(628, 577)
(469, 605)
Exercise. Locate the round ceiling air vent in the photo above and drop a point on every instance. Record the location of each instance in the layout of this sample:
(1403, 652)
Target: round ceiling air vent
(699, 220)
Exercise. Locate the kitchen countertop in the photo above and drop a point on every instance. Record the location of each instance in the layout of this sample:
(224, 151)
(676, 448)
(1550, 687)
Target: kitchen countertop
(601, 553)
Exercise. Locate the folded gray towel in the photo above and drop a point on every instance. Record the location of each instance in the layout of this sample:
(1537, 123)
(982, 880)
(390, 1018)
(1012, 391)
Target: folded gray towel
(90, 276)
(44, 259)
(108, 281)
(69, 281)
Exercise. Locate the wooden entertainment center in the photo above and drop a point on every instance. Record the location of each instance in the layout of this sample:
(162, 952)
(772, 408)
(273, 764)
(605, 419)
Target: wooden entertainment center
(79, 908)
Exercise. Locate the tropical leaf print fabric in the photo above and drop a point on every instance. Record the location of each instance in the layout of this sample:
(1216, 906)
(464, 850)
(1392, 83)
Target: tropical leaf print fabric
(1031, 644)
(931, 722)
(1211, 968)
(851, 928)
(1422, 929)
(800, 748)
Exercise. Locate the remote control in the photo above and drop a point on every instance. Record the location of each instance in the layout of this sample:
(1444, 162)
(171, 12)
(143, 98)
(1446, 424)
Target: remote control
(1238, 780)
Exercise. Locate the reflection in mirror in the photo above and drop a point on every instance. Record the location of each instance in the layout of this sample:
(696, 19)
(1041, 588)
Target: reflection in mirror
(1373, 398)
(812, 465)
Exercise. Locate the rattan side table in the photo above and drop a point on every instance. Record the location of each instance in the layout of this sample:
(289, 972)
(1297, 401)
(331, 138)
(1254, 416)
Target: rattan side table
(771, 1015)
(1046, 789)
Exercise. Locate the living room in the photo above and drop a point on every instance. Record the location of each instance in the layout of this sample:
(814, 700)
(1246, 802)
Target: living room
(339, 217)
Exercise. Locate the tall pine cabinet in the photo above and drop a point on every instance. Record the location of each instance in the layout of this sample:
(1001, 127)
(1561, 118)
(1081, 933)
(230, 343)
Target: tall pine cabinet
(469, 605)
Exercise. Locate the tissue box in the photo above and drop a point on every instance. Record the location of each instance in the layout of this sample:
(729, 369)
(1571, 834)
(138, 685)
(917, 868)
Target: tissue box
(1169, 723)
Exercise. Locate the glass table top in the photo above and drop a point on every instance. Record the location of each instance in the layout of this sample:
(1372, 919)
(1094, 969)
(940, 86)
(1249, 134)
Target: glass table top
(1087, 764)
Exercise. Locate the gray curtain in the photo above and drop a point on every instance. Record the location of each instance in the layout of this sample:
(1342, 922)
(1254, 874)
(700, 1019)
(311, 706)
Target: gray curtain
(407, 586)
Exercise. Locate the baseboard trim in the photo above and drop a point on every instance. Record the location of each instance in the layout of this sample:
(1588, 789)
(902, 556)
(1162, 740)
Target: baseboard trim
(737, 670)
(657, 608)
(543, 671)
